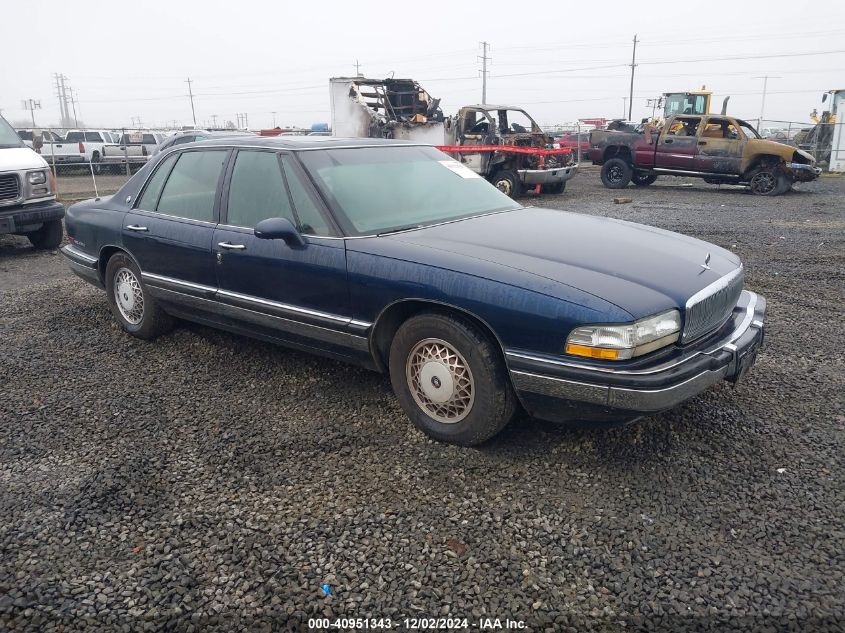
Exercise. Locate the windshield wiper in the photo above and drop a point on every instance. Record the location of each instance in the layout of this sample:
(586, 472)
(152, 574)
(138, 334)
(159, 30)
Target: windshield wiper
(400, 229)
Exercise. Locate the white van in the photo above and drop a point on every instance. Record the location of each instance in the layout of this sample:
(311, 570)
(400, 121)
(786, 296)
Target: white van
(27, 196)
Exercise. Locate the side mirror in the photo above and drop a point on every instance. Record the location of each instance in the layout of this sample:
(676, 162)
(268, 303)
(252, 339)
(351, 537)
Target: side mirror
(279, 229)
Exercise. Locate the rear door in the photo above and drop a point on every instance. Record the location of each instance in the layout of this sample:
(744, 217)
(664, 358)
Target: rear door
(301, 292)
(720, 146)
(677, 144)
(169, 232)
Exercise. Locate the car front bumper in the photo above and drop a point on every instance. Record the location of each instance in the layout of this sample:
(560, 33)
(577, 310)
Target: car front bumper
(547, 176)
(802, 172)
(558, 390)
(25, 217)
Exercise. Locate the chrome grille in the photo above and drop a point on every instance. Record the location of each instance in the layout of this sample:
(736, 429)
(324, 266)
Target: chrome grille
(10, 188)
(710, 307)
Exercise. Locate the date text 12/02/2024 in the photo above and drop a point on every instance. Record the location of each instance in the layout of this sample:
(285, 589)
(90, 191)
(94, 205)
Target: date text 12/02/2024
(417, 623)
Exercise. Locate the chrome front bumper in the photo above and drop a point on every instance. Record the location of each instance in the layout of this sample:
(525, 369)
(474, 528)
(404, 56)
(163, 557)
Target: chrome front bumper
(547, 176)
(650, 388)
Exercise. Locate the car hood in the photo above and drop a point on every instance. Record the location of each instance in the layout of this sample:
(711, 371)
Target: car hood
(641, 269)
(12, 158)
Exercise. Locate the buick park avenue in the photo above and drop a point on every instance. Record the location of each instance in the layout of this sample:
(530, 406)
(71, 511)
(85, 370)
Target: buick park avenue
(398, 258)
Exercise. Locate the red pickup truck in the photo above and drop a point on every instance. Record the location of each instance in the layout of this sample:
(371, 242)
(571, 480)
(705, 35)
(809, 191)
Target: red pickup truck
(720, 149)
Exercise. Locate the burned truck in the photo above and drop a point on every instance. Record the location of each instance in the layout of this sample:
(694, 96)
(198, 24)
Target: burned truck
(501, 143)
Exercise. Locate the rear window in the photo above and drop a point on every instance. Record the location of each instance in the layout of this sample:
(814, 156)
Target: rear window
(25, 135)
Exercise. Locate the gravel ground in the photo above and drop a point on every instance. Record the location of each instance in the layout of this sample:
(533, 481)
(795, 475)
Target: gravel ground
(211, 482)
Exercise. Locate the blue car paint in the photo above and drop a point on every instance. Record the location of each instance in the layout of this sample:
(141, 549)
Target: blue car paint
(531, 275)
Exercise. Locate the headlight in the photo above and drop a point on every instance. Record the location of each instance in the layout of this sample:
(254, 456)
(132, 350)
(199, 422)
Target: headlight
(621, 342)
(37, 177)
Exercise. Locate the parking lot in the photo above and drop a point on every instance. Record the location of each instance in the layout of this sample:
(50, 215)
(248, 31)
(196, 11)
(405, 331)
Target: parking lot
(211, 481)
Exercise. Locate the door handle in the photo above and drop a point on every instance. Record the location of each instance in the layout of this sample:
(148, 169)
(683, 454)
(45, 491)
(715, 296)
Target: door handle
(702, 142)
(668, 141)
(135, 227)
(231, 247)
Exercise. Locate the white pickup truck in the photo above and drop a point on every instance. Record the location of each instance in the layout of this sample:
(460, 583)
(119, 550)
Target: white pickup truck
(91, 143)
(134, 148)
(27, 196)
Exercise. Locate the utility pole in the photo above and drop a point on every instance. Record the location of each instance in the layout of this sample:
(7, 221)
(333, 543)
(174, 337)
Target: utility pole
(214, 120)
(60, 93)
(191, 95)
(274, 119)
(765, 79)
(357, 71)
(631, 92)
(73, 104)
(484, 59)
(32, 105)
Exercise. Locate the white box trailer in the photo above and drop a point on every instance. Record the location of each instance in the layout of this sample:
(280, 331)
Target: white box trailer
(837, 148)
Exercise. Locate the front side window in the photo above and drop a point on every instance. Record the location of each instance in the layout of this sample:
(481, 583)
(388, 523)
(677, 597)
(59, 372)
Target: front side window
(190, 189)
(380, 189)
(257, 190)
(749, 130)
(311, 220)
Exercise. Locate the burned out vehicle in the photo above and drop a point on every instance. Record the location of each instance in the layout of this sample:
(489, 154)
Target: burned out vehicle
(501, 143)
(718, 148)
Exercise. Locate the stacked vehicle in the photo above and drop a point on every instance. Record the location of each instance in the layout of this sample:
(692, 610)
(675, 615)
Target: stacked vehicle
(500, 143)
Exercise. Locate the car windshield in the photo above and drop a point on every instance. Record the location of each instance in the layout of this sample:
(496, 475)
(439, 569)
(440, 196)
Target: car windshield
(8, 136)
(381, 189)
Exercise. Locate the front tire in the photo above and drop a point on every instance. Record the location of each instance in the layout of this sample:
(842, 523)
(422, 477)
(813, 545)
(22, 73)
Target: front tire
(616, 173)
(135, 310)
(48, 237)
(450, 379)
(768, 180)
(507, 181)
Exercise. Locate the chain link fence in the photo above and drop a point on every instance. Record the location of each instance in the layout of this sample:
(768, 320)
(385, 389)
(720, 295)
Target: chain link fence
(814, 138)
(89, 162)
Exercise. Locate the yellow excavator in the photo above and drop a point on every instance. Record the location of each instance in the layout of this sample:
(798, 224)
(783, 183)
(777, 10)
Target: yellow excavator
(691, 102)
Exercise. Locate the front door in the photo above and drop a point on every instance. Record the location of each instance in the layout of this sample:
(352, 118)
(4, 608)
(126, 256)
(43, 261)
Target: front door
(300, 293)
(677, 145)
(720, 147)
(170, 229)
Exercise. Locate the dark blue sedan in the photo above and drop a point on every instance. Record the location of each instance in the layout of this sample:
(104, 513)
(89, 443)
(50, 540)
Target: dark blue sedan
(396, 257)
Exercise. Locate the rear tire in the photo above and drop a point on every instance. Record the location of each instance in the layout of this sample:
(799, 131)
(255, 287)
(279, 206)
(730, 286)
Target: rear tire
(616, 173)
(450, 379)
(136, 311)
(507, 181)
(641, 179)
(49, 236)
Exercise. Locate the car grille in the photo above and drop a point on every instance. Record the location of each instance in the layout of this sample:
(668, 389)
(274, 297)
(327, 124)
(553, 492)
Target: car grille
(709, 308)
(10, 188)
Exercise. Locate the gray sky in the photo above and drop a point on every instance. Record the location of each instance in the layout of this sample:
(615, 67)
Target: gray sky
(559, 60)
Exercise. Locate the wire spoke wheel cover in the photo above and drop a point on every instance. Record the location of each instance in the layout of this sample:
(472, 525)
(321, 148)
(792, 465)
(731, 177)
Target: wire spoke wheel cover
(128, 295)
(440, 380)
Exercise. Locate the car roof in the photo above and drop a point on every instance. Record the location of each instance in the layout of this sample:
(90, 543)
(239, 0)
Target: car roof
(301, 142)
